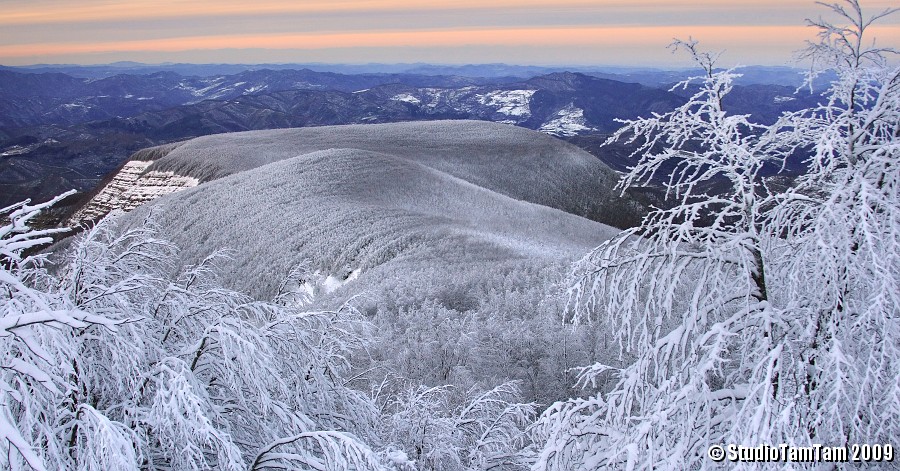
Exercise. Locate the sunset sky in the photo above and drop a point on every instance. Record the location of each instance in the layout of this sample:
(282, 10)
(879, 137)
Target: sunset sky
(544, 32)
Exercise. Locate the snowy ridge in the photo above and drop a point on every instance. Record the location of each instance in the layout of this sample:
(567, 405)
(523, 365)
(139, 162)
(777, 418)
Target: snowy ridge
(512, 161)
(255, 88)
(509, 160)
(455, 221)
(363, 214)
(485, 189)
(503, 106)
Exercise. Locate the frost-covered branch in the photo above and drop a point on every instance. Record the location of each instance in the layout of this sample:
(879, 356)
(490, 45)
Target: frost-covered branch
(749, 317)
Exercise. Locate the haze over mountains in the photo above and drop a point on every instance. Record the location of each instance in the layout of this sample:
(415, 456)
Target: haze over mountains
(60, 131)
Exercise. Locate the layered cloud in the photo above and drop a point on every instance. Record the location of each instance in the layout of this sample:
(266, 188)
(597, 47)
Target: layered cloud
(525, 31)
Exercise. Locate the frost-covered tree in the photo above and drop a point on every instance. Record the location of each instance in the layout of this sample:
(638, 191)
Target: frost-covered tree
(676, 290)
(112, 362)
(36, 328)
(745, 315)
(116, 358)
(220, 380)
(836, 243)
(437, 429)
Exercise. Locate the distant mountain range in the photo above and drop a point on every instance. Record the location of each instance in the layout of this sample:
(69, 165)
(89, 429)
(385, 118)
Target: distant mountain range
(56, 98)
(765, 75)
(58, 131)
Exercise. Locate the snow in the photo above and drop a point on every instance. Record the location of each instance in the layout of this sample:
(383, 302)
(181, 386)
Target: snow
(16, 150)
(322, 284)
(132, 186)
(256, 88)
(385, 183)
(509, 160)
(738, 313)
(568, 121)
(509, 102)
(437, 95)
(21, 150)
(406, 98)
(204, 91)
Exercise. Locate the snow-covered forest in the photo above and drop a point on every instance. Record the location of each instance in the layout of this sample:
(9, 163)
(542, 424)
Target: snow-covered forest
(765, 313)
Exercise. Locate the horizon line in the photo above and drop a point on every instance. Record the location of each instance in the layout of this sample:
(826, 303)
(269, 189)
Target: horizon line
(115, 64)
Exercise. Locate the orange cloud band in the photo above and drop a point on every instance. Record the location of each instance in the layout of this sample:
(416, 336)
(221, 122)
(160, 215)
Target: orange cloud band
(105, 10)
(545, 36)
(116, 10)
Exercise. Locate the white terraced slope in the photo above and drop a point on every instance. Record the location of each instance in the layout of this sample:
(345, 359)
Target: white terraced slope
(512, 103)
(132, 186)
(568, 121)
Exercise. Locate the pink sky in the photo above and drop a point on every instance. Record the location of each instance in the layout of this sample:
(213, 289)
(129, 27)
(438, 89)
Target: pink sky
(574, 32)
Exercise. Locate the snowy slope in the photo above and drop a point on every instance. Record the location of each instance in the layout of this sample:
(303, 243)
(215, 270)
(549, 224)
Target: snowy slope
(483, 189)
(131, 187)
(511, 103)
(568, 121)
(350, 209)
(512, 161)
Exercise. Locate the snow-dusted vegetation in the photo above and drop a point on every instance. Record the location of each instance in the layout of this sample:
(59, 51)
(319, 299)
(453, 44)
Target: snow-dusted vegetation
(116, 359)
(417, 242)
(568, 121)
(130, 188)
(511, 103)
(506, 159)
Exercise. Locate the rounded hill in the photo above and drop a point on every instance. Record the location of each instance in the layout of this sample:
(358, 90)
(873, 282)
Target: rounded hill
(516, 162)
(352, 211)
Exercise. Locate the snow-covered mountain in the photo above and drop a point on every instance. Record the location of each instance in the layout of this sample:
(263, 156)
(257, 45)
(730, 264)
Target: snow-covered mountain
(351, 208)
(503, 159)
(29, 99)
